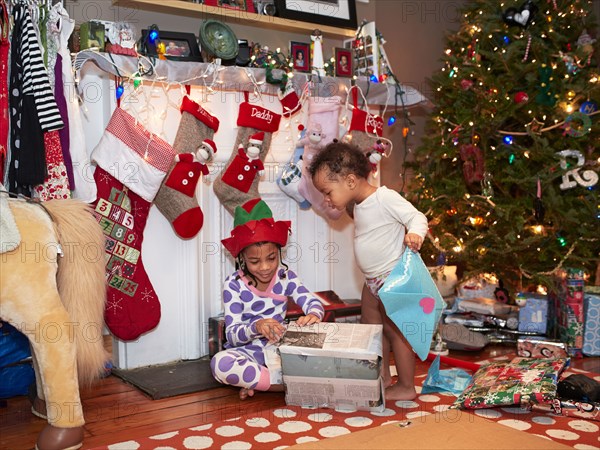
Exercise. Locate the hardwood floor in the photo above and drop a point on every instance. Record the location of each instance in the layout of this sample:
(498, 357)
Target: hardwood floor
(116, 411)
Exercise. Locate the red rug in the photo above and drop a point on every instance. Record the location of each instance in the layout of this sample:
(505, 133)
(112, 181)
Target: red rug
(290, 425)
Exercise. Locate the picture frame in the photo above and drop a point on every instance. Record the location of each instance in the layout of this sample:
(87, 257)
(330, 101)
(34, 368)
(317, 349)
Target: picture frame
(335, 13)
(241, 5)
(300, 55)
(179, 46)
(344, 62)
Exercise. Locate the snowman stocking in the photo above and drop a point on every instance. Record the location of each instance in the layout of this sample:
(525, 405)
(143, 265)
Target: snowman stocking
(131, 166)
(176, 198)
(323, 128)
(238, 182)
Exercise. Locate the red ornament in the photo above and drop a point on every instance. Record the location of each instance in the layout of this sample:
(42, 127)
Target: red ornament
(521, 97)
(473, 164)
(466, 84)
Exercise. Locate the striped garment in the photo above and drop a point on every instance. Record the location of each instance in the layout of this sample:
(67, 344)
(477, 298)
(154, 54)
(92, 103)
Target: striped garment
(35, 76)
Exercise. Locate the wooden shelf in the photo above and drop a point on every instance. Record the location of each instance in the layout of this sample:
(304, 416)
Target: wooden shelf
(231, 16)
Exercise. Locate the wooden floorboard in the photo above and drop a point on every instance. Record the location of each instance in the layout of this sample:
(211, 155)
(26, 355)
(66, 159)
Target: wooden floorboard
(116, 411)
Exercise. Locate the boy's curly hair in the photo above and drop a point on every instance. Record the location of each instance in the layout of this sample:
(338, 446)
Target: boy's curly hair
(341, 159)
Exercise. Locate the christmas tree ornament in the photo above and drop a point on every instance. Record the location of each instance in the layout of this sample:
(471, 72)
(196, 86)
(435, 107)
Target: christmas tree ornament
(535, 126)
(238, 182)
(466, 84)
(527, 48)
(588, 107)
(521, 17)
(487, 187)
(176, 199)
(572, 177)
(585, 48)
(538, 206)
(122, 209)
(521, 97)
(473, 166)
(582, 120)
(570, 63)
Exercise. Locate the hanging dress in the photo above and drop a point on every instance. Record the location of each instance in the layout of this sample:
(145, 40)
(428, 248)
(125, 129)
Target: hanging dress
(33, 110)
(84, 187)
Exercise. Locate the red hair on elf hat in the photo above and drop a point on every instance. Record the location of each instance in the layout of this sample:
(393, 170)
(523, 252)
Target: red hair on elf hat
(253, 223)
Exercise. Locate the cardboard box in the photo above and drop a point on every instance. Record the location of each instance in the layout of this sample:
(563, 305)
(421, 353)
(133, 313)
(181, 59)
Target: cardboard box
(449, 430)
(336, 309)
(333, 365)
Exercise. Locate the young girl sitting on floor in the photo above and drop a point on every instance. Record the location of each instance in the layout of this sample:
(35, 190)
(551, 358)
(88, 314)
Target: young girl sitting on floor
(384, 223)
(255, 299)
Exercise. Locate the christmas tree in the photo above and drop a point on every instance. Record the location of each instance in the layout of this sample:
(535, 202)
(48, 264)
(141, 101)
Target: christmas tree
(508, 172)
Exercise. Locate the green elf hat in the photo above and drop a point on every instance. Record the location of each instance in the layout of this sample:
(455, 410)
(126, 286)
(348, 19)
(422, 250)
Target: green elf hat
(253, 222)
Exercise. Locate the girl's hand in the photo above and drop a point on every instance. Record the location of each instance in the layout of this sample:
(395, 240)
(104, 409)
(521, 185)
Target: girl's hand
(309, 319)
(413, 241)
(271, 329)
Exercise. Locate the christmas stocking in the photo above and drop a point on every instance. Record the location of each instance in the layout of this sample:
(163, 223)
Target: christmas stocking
(290, 102)
(323, 128)
(291, 174)
(238, 183)
(131, 166)
(176, 198)
(365, 128)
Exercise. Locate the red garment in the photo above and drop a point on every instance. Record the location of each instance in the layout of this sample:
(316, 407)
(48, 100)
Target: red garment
(241, 172)
(4, 48)
(186, 173)
(56, 184)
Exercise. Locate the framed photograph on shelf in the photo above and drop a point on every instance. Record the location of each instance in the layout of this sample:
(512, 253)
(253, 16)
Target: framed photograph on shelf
(335, 13)
(242, 5)
(343, 62)
(178, 46)
(300, 54)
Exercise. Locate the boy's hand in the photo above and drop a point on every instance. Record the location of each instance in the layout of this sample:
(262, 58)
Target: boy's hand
(309, 319)
(271, 329)
(413, 241)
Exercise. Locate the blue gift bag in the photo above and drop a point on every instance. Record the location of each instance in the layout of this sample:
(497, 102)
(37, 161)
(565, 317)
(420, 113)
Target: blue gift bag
(413, 302)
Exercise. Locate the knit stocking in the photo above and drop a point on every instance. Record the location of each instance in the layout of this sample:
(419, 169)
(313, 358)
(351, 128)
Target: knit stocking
(176, 198)
(238, 183)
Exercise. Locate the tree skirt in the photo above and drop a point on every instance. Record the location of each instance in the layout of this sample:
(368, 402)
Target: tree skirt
(290, 425)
